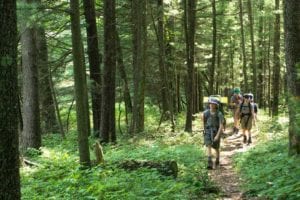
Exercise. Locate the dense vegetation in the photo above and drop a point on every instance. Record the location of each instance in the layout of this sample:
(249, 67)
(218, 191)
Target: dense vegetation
(133, 77)
(56, 174)
(267, 170)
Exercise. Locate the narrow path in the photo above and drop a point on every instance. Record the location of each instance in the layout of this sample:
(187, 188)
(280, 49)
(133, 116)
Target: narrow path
(224, 175)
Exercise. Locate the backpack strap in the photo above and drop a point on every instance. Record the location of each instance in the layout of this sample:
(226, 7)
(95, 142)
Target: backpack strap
(207, 115)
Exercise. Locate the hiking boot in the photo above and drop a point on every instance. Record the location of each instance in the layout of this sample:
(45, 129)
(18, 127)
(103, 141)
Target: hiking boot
(249, 141)
(245, 139)
(236, 130)
(209, 163)
(217, 162)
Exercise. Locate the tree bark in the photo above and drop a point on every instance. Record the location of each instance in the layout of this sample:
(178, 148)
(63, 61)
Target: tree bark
(31, 133)
(48, 117)
(245, 86)
(253, 53)
(108, 130)
(139, 63)
(95, 59)
(260, 68)
(292, 47)
(214, 49)
(123, 75)
(9, 113)
(189, 27)
(276, 68)
(161, 56)
(80, 86)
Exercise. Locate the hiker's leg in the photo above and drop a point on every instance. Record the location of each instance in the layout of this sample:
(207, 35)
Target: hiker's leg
(249, 141)
(209, 157)
(244, 136)
(217, 157)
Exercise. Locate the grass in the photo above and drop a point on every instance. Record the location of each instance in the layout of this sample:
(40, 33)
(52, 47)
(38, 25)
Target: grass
(57, 174)
(267, 170)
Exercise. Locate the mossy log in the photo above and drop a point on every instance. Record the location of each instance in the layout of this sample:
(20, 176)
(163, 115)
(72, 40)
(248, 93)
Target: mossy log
(167, 168)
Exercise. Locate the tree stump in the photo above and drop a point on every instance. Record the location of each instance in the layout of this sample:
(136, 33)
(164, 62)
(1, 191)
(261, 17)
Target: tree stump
(167, 168)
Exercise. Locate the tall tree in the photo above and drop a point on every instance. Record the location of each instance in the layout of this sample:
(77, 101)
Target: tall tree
(139, 63)
(9, 145)
(48, 116)
(80, 85)
(253, 53)
(161, 56)
(189, 27)
(123, 75)
(292, 47)
(108, 130)
(241, 17)
(95, 59)
(31, 133)
(214, 48)
(260, 66)
(276, 68)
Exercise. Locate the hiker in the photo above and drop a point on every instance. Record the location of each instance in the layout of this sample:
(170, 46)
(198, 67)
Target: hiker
(245, 113)
(255, 107)
(213, 126)
(235, 100)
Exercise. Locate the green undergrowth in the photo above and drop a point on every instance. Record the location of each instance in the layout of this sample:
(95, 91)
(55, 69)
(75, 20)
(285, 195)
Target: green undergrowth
(267, 170)
(56, 173)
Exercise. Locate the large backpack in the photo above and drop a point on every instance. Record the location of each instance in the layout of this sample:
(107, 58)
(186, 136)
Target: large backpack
(220, 107)
(244, 114)
(207, 116)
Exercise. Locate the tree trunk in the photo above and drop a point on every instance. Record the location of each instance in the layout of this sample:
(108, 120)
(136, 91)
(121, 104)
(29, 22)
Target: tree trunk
(9, 113)
(292, 47)
(161, 57)
(214, 49)
(189, 27)
(80, 85)
(245, 87)
(269, 71)
(261, 76)
(276, 68)
(139, 63)
(108, 130)
(95, 59)
(31, 133)
(253, 54)
(123, 75)
(48, 117)
(52, 89)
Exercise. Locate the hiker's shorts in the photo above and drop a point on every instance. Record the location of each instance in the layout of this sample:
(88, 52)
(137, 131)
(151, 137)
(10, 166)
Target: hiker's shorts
(246, 123)
(208, 140)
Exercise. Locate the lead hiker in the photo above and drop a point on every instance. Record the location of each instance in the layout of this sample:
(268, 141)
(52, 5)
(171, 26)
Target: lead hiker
(255, 107)
(213, 128)
(235, 100)
(245, 113)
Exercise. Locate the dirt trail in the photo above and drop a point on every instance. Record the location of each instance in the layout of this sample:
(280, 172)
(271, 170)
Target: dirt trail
(224, 175)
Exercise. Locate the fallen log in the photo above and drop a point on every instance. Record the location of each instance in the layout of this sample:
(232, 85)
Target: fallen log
(167, 168)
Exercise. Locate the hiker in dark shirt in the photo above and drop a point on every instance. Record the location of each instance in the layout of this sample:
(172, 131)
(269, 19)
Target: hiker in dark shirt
(235, 100)
(255, 107)
(213, 128)
(245, 113)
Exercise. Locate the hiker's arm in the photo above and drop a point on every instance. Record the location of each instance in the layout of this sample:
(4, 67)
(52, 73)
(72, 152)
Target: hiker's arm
(237, 116)
(221, 119)
(217, 137)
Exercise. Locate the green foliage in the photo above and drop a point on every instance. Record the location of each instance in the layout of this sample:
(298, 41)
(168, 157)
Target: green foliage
(267, 169)
(58, 175)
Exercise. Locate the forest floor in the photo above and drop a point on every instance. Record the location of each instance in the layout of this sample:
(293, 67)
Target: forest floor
(225, 176)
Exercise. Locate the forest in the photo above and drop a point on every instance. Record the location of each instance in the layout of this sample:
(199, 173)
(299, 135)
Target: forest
(107, 99)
